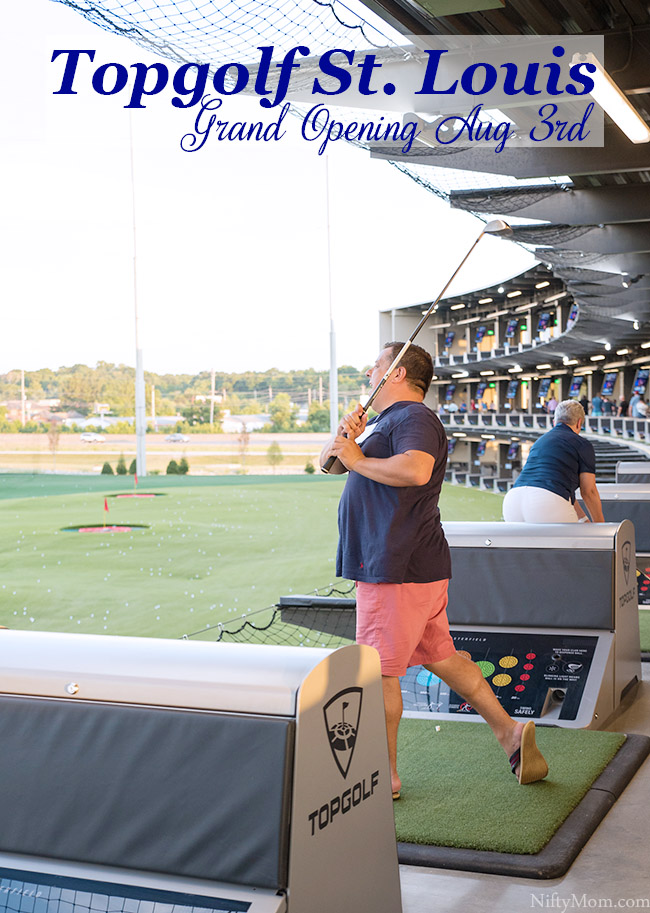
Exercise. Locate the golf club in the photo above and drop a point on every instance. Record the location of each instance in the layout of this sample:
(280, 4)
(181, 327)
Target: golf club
(495, 227)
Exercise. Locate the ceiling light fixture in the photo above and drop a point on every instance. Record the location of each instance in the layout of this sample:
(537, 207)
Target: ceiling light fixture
(542, 284)
(456, 307)
(613, 100)
(485, 300)
(513, 294)
(461, 323)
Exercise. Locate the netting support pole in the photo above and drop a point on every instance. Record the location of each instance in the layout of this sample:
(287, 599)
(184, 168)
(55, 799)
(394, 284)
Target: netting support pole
(140, 402)
(334, 378)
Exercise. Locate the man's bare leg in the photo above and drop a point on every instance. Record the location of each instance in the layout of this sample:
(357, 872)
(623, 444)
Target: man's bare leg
(393, 709)
(466, 679)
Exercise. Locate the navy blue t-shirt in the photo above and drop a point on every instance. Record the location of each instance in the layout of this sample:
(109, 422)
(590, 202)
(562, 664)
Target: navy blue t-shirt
(556, 460)
(390, 534)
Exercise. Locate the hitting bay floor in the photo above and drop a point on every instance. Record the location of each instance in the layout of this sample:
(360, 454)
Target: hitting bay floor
(612, 871)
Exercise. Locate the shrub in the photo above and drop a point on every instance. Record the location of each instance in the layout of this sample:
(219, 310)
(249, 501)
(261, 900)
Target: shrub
(309, 468)
(183, 467)
(274, 455)
(172, 468)
(107, 470)
(120, 469)
(133, 468)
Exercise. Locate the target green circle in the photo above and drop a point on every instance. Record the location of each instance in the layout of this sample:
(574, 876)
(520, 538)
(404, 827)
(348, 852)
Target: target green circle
(487, 668)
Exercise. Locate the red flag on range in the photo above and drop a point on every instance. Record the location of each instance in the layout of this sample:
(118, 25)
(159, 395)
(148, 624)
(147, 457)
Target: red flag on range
(106, 504)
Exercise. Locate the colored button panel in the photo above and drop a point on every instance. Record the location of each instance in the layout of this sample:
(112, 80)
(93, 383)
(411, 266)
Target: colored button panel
(507, 662)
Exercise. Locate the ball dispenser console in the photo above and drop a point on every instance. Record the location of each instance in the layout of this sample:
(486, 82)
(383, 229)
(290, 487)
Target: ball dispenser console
(550, 614)
(548, 611)
(150, 775)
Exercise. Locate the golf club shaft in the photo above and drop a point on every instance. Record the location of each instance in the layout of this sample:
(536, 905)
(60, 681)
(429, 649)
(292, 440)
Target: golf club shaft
(330, 462)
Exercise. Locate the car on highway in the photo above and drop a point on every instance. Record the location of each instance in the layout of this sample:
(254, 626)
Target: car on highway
(90, 437)
(177, 438)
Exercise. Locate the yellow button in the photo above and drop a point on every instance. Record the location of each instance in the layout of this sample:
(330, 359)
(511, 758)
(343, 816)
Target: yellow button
(501, 680)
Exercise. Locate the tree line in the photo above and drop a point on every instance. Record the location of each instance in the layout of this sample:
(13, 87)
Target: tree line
(280, 393)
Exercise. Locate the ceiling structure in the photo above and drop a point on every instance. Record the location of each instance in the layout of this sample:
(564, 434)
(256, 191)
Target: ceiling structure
(595, 240)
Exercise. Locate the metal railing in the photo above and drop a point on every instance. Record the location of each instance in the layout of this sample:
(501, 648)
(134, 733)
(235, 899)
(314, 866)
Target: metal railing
(635, 430)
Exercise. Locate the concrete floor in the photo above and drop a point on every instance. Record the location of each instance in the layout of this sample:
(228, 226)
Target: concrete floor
(613, 870)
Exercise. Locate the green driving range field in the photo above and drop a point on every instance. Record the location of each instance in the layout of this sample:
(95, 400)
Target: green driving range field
(208, 550)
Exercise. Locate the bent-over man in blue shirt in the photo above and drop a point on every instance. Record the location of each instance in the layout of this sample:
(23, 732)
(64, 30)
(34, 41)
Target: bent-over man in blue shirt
(559, 462)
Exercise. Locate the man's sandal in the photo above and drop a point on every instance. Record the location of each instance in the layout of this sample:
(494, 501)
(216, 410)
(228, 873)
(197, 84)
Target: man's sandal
(528, 757)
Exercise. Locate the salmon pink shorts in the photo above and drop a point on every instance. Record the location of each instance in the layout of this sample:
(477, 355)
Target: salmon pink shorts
(405, 622)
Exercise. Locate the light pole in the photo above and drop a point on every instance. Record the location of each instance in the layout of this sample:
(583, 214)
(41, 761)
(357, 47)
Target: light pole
(140, 403)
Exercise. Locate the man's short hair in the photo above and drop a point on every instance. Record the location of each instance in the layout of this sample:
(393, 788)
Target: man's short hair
(418, 365)
(569, 412)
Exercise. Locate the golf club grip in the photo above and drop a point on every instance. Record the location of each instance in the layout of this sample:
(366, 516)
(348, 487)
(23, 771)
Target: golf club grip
(326, 467)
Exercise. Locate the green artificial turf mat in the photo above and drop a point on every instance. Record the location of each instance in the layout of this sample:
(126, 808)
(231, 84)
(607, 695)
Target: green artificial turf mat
(644, 626)
(457, 789)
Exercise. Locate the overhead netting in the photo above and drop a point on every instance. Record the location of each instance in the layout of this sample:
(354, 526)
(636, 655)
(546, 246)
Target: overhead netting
(218, 32)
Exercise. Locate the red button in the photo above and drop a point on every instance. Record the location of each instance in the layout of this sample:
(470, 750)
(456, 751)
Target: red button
(528, 666)
(531, 656)
(520, 687)
(524, 677)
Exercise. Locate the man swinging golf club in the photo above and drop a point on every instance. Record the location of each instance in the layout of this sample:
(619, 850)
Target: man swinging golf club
(393, 545)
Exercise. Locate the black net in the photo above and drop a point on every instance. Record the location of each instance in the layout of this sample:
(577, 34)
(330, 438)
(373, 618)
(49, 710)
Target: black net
(23, 892)
(549, 234)
(577, 258)
(503, 201)
(296, 625)
(206, 31)
(570, 274)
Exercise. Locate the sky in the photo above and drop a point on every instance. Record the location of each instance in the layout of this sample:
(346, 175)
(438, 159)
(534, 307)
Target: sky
(231, 241)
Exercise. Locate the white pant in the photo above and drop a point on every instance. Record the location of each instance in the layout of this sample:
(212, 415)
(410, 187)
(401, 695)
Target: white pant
(537, 505)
